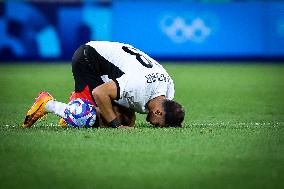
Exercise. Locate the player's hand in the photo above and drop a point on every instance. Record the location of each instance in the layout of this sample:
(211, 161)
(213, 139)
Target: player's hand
(125, 127)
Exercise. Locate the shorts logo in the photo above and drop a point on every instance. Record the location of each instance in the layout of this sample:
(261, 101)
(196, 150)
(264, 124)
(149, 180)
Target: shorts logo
(188, 27)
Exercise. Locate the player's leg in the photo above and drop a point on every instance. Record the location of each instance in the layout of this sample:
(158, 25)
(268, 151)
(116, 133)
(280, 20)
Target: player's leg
(86, 72)
(56, 108)
(39, 108)
(86, 76)
(43, 104)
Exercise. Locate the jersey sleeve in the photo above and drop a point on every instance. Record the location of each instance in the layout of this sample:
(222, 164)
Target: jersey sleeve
(121, 83)
(164, 89)
(171, 91)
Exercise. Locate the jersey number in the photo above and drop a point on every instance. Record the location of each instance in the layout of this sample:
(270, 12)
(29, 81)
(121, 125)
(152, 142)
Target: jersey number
(140, 57)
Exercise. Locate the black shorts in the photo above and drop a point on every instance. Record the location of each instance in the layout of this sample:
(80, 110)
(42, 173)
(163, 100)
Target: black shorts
(88, 66)
(84, 69)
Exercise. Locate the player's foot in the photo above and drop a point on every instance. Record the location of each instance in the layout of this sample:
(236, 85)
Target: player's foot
(62, 122)
(37, 110)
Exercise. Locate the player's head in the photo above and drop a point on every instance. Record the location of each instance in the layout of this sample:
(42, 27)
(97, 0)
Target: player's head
(174, 113)
(168, 114)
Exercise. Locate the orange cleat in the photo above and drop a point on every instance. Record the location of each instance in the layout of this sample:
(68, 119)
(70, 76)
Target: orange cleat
(37, 110)
(62, 122)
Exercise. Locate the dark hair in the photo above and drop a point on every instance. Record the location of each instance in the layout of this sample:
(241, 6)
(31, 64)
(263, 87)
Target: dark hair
(174, 113)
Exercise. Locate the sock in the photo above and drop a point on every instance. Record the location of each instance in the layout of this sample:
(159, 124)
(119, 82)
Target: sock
(56, 107)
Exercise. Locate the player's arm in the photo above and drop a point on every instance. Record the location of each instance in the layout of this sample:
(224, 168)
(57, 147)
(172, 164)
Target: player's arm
(104, 94)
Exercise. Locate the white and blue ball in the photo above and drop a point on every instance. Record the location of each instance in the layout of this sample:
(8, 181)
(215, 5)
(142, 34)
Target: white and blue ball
(80, 112)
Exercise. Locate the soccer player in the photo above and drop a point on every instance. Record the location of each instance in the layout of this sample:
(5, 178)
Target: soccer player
(115, 72)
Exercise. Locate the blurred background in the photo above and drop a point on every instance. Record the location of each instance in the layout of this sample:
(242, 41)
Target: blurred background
(50, 30)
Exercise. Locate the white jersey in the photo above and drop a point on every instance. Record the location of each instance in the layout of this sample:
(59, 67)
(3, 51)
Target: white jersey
(142, 77)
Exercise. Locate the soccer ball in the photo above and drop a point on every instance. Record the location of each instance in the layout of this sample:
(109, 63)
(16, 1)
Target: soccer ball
(80, 112)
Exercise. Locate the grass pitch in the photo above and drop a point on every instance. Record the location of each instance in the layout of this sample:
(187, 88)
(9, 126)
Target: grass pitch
(233, 135)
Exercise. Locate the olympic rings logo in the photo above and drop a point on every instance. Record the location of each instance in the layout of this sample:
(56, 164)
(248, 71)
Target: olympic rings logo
(194, 28)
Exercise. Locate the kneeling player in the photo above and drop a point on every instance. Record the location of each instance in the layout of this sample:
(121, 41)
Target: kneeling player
(115, 72)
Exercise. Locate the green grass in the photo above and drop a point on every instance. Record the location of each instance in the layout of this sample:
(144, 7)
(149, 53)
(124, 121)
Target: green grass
(233, 135)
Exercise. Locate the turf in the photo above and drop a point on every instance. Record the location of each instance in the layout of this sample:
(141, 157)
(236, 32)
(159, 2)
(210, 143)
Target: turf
(233, 135)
